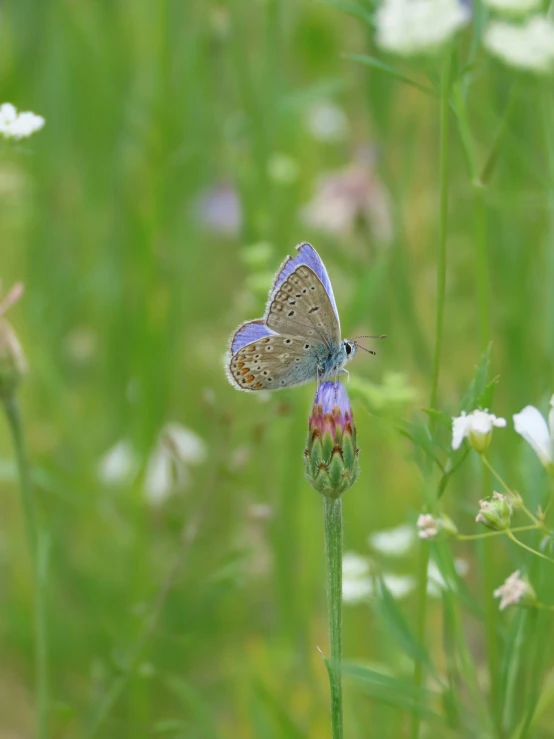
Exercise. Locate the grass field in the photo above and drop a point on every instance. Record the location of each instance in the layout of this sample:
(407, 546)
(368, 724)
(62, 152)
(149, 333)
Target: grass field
(188, 147)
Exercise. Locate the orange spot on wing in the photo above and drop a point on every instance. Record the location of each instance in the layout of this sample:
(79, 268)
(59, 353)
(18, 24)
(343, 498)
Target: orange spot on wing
(250, 378)
(245, 371)
(251, 348)
(258, 386)
(240, 365)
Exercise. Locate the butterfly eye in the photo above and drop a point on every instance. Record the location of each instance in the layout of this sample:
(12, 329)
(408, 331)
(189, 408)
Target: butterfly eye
(348, 349)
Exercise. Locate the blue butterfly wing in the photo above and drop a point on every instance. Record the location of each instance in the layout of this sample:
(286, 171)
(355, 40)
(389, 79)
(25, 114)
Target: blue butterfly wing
(306, 255)
(248, 332)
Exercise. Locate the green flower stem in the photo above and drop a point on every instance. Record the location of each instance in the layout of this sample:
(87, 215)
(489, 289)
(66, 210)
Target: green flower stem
(486, 172)
(500, 532)
(529, 549)
(38, 549)
(441, 295)
(491, 619)
(333, 550)
(441, 265)
(480, 217)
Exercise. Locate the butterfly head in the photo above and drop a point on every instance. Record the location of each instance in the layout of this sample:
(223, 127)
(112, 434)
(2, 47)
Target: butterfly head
(350, 348)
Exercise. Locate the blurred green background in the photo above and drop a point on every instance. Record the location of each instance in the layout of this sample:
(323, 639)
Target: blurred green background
(188, 147)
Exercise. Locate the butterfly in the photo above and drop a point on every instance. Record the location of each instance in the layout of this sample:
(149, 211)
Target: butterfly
(298, 339)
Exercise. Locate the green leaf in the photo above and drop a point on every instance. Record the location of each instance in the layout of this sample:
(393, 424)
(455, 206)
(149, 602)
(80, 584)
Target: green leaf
(393, 691)
(371, 61)
(419, 435)
(277, 709)
(351, 8)
(196, 706)
(480, 389)
(393, 619)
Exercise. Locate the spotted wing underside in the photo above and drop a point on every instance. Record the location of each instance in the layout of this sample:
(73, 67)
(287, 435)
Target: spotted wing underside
(273, 363)
(301, 307)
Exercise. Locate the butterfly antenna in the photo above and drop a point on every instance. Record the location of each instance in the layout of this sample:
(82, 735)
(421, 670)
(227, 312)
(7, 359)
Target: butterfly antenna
(369, 351)
(383, 336)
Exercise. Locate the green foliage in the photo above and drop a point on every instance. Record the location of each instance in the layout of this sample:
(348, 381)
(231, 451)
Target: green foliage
(193, 607)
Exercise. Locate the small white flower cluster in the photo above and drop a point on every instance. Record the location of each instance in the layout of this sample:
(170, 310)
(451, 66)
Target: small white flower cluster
(411, 27)
(536, 430)
(515, 590)
(176, 449)
(429, 527)
(495, 513)
(14, 125)
(421, 27)
(528, 46)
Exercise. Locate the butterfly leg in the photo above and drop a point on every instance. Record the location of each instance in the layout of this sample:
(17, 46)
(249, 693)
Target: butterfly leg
(345, 372)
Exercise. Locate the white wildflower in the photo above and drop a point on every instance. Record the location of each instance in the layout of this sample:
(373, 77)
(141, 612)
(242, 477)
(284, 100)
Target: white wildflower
(393, 542)
(477, 427)
(356, 590)
(515, 589)
(399, 586)
(14, 125)
(327, 122)
(528, 46)
(513, 7)
(437, 582)
(167, 470)
(530, 424)
(119, 464)
(354, 566)
(357, 585)
(410, 27)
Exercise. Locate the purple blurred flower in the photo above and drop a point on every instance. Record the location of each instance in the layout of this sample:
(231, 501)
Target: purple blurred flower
(219, 209)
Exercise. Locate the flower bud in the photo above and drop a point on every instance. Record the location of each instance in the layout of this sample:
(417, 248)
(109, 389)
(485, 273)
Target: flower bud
(12, 360)
(495, 513)
(331, 455)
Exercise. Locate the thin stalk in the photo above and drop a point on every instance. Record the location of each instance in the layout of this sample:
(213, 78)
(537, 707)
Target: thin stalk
(441, 265)
(422, 578)
(482, 264)
(491, 619)
(480, 217)
(486, 172)
(441, 294)
(38, 549)
(486, 534)
(529, 549)
(333, 551)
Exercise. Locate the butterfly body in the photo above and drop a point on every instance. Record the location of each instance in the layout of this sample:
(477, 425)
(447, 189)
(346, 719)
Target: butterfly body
(298, 339)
